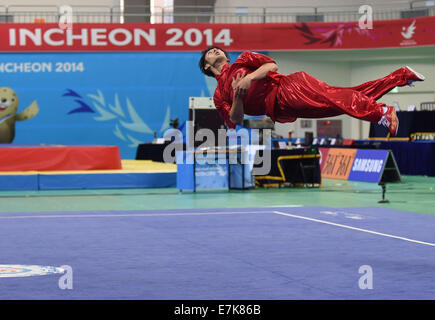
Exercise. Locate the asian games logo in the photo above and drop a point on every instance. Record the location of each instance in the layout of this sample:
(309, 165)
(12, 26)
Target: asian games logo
(19, 271)
(12, 271)
(407, 34)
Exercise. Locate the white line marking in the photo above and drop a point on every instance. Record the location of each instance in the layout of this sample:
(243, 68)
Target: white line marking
(354, 228)
(130, 215)
(287, 206)
(331, 213)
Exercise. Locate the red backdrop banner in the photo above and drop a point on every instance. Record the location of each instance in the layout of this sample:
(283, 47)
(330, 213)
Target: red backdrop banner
(232, 37)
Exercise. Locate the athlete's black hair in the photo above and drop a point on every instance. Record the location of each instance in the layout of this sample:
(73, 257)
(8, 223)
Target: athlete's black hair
(202, 62)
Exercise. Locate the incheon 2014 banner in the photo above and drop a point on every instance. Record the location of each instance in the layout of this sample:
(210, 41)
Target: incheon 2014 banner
(232, 37)
(124, 84)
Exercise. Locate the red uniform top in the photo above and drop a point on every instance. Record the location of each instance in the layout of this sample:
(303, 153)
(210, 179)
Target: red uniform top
(260, 98)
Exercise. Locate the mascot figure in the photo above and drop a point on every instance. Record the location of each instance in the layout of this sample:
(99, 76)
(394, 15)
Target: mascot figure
(8, 114)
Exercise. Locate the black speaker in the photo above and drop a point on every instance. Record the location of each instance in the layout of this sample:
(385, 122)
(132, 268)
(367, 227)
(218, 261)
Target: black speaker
(206, 119)
(308, 138)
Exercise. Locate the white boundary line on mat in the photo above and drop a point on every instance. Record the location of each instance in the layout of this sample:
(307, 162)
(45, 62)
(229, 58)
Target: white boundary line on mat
(354, 228)
(121, 215)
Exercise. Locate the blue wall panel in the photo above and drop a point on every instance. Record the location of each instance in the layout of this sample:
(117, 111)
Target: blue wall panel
(102, 98)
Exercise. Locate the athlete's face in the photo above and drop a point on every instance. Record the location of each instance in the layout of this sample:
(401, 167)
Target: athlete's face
(213, 56)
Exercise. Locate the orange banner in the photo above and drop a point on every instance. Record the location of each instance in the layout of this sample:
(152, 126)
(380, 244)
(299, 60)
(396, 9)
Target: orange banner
(338, 163)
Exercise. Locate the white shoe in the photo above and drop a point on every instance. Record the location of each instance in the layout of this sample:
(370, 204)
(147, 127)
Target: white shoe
(416, 76)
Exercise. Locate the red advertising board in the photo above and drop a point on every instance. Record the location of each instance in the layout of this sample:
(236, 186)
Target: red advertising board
(51, 37)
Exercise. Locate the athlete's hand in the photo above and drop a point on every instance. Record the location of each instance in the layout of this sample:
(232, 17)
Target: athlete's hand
(236, 81)
(244, 84)
(241, 85)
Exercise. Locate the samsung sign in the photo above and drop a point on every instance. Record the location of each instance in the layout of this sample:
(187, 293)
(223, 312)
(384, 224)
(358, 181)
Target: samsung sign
(368, 165)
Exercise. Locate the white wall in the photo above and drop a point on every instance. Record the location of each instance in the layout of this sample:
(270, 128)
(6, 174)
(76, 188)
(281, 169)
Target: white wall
(286, 11)
(60, 2)
(307, 3)
(335, 5)
(26, 11)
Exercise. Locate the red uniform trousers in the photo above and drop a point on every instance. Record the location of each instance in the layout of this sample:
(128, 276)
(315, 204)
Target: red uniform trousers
(301, 95)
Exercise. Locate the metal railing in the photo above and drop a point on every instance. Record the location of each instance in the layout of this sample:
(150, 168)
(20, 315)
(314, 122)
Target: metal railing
(210, 14)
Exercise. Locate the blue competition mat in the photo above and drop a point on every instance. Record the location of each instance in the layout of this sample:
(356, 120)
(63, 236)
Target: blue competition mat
(252, 253)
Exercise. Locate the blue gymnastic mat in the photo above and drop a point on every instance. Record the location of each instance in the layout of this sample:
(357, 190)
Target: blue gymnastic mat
(250, 253)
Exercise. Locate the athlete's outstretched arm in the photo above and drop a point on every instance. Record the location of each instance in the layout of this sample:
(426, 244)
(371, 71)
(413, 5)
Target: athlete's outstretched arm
(262, 71)
(245, 83)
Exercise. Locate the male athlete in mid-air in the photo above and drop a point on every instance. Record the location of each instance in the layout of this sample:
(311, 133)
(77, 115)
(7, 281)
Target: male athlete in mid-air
(252, 86)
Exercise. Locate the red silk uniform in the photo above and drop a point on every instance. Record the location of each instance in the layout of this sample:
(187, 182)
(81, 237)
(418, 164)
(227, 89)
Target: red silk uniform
(284, 98)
